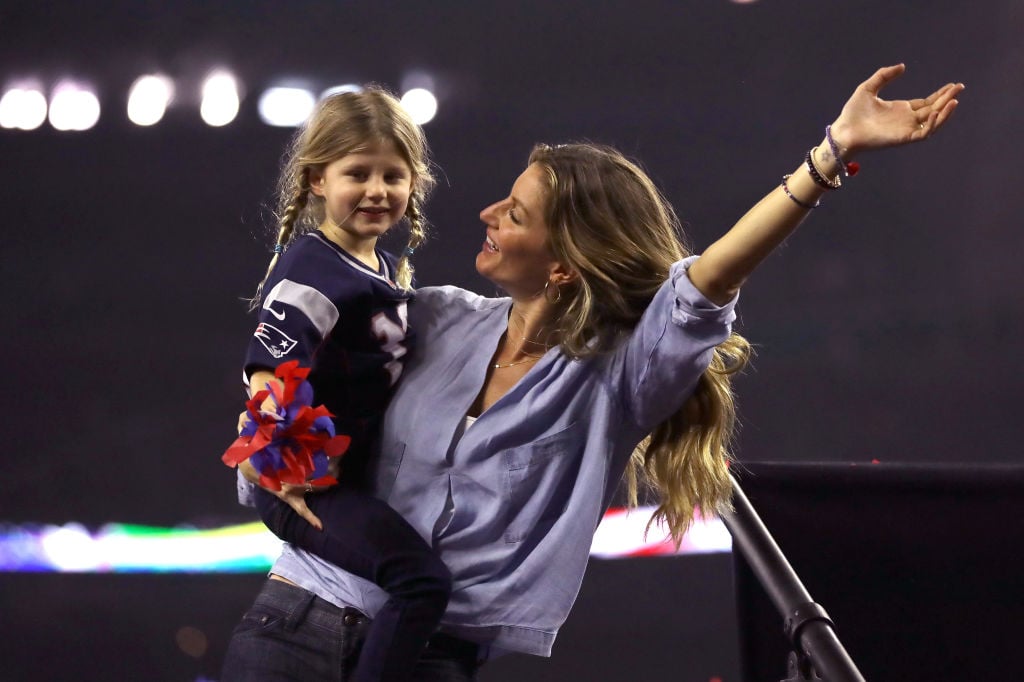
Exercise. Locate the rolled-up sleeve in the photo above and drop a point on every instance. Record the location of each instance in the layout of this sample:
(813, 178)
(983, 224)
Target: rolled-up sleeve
(246, 490)
(671, 347)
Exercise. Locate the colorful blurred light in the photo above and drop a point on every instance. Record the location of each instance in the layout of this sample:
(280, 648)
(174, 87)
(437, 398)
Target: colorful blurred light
(120, 548)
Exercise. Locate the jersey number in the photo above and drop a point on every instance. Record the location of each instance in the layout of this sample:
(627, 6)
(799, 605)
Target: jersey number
(391, 337)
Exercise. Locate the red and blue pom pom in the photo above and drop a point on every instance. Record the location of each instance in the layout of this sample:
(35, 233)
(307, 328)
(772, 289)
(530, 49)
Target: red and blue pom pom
(293, 443)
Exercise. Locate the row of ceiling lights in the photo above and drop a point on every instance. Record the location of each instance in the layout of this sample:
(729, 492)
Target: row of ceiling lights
(75, 105)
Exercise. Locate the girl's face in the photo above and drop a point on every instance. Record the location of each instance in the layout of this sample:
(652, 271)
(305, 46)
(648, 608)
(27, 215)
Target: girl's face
(365, 193)
(516, 255)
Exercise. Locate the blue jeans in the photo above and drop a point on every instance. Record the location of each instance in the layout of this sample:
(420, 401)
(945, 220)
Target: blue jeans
(366, 537)
(291, 634)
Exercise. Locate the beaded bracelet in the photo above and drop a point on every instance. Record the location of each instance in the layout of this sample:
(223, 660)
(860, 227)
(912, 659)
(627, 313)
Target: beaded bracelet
(816, 175)
(804, 204)
(848, 169)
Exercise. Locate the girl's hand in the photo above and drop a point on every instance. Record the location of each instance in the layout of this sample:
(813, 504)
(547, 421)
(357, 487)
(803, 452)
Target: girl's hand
(243, 419)
(869, 122)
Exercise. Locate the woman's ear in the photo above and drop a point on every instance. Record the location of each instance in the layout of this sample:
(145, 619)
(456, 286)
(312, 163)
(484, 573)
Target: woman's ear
(561, 274)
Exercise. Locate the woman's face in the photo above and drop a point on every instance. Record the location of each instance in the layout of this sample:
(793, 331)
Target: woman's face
(516, 255)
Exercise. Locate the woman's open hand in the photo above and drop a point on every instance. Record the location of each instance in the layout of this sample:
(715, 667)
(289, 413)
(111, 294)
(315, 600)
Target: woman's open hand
(295, 497)
(870, 122)
(292, 495)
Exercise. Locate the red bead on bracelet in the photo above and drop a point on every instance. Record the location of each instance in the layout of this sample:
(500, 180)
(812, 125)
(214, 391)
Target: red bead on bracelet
(848, 169)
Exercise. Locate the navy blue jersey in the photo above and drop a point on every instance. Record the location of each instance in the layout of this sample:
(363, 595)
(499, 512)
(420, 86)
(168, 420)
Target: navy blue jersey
(346, 322)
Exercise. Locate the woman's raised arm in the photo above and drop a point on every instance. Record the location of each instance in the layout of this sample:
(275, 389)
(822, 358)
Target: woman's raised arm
(866, 122)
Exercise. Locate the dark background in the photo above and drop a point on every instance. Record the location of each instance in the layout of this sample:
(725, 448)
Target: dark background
(887, 328)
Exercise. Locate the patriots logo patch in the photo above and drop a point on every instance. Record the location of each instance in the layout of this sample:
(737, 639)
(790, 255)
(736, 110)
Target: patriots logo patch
(274, 340)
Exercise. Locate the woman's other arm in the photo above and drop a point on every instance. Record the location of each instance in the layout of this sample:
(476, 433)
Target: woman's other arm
(866, 122)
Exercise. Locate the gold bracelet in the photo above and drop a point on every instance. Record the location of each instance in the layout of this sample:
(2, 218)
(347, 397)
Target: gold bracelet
(819, 178)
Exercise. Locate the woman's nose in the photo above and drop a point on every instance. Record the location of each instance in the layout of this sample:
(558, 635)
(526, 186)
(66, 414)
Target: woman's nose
(487, 215)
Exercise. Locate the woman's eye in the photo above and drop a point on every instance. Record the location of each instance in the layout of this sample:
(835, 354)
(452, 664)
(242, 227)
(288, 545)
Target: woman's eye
(512, 215)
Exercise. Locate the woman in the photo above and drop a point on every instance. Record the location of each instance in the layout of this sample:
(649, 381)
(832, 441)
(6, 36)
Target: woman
(517, 416)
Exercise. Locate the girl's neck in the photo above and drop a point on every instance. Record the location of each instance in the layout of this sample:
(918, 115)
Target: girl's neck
(363, 250)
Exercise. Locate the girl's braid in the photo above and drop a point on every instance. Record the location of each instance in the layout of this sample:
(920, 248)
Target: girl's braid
(289, 215)
(417, 233)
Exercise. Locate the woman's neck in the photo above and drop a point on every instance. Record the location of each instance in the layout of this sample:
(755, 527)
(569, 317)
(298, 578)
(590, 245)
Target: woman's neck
(531, 327)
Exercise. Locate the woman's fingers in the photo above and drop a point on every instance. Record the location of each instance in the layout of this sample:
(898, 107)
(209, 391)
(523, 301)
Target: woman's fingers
(885, 75)
(307, 513)
(940, 117)
(870, 122)
(948, 96)
(938, 110)
(938, 99)
(295, 497)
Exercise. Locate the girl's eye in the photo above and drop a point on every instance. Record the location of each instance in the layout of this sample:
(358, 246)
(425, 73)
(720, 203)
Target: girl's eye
(512, 215)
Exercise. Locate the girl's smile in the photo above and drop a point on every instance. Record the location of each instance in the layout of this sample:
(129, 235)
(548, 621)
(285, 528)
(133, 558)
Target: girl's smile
(364, 193)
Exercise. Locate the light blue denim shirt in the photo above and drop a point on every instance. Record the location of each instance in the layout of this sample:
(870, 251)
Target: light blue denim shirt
(512, 505)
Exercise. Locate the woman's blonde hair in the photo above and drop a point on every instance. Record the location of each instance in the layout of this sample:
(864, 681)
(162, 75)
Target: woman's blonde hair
(608, 221)
(342, 124)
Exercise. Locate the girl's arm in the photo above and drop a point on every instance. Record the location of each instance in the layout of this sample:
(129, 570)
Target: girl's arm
(865, 123)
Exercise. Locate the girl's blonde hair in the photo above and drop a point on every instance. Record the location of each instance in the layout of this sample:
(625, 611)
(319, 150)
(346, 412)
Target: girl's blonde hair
(342, 124)
(608, 221)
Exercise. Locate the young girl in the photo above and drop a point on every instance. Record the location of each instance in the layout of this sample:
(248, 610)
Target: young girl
(335, 302)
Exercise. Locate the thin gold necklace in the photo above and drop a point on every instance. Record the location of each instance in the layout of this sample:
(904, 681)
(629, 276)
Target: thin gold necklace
(529, 357)
(524, 340)
(532, 358)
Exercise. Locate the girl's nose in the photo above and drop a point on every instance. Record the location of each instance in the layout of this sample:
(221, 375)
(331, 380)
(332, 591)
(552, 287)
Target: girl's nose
(375, 187)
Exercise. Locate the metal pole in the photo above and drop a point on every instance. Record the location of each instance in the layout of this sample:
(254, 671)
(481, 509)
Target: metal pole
(806, 623)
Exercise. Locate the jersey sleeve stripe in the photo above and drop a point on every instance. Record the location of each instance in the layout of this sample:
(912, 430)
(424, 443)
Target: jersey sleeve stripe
(313, 304)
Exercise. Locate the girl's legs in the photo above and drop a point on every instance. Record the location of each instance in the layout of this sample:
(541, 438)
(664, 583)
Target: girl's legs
(365, 536)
